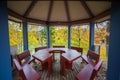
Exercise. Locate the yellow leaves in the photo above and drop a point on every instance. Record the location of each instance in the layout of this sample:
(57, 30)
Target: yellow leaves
(60, 35)
(103, 54)
(15, 37)
(32, 40)
(12, 42)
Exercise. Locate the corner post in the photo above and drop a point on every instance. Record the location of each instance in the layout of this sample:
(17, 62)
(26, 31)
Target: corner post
(25, 36)
(91, 35)
(5, 59)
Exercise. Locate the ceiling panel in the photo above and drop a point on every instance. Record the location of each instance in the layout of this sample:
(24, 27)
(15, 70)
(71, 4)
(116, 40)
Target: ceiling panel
(77, 11)
(58, 12)
(40, 11)
(98, 7)
(19, 6)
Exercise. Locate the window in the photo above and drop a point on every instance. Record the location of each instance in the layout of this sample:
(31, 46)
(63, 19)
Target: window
(80, 36)
(16, 36)
(36, 37)
(101, 38)
(59, 35)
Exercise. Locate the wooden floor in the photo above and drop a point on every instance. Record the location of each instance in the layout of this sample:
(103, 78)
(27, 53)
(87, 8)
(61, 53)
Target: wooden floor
(56, 75)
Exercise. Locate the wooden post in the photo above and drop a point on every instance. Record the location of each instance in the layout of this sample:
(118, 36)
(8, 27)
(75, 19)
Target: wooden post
(5, 58)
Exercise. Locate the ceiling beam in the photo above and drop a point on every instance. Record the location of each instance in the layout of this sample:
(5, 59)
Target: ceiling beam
(60, 0)
(84, 4)
(97, 0)
(59, 23)
(31, 6)
(67, 10)
(14, 20)
(99, 16)
(50, 10)
(35, 21)
(103, 14)
(14, 14)
(81, 21)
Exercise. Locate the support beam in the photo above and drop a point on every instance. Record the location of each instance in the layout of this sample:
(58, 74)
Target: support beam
(67, 10)
(50, 10)
(103, 14)
(69, 36)
(91, 36)
(16, 15)
(48, 36)
(113, 72)
(69, 0)
(5, 59)
(35, 21)
(59, 23)
(81, 21)
(25, 36)
(87, 8)
(30, 8)
(99, 16)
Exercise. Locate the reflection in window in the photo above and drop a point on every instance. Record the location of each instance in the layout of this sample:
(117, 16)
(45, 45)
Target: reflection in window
(16, 36)
(80, 36)
(59, 35)
(36, 37)
(102, 37)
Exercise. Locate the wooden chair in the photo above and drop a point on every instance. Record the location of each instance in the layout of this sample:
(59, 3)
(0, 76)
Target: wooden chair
(90, 58)
(26, 72)
(77, 49)
(24, 57)
(89, 71)
(39, 48)
(58, 46)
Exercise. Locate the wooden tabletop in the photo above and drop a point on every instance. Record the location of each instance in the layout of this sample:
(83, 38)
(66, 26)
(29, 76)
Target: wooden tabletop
(69, 54)
(42, 55)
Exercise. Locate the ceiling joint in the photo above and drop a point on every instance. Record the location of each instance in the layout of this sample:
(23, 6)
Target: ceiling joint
(30, 8)
(50, 10)
(84, 4)
(67, 10)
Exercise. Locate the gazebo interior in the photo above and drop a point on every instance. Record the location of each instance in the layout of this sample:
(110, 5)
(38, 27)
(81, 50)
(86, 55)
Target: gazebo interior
(60, 39)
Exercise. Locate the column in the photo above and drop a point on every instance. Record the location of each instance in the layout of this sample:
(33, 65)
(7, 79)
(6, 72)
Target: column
(113, 71)
(25, 36)
(48, 36)
(5, 59)
(91, 36)
(69, 36)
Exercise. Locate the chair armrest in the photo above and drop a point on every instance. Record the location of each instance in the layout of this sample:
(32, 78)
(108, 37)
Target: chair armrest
(18, 66)
(98, 65)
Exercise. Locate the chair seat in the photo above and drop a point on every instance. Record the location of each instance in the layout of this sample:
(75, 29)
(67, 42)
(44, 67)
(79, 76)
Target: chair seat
(28, 60)
(30, 73)
(85, 73)
(88, 60)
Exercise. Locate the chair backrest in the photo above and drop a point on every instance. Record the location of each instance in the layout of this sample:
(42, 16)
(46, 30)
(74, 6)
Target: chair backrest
(58, 46)
(39, 48)
(89, 71)
(94, 56)
(23, 55)
(78, 49)
(96, 69)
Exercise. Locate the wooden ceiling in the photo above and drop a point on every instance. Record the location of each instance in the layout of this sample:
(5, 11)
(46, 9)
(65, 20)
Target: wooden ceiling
(59, 12)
